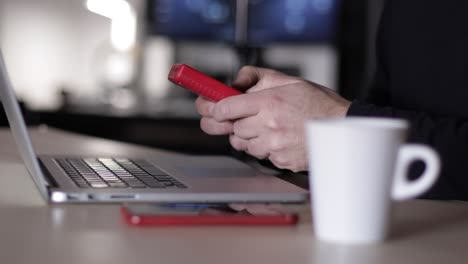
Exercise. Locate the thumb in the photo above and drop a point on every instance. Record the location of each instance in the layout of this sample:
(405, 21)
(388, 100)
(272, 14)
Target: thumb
(246, 78)
(250, 76)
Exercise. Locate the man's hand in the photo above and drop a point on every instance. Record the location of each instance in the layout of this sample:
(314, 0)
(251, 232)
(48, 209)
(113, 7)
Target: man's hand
(268, 121)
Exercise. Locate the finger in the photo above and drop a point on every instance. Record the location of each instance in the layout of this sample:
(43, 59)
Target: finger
(247, 128)
(204, 107)
(236, 107)
(260, 209)
(238, 143)
(212, 127)
(238, 206)
(280, 160)
(272, 79)
(257, 148)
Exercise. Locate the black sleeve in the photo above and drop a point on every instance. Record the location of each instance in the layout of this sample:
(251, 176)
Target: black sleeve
(449, 136)
(378, 92)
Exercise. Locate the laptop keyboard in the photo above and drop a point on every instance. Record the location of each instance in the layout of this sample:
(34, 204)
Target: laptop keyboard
(116, 173)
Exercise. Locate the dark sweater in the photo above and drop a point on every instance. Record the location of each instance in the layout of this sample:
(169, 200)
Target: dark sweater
(422, 76)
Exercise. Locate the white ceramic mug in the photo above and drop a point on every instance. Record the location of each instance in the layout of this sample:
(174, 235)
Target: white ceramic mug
(357, 165)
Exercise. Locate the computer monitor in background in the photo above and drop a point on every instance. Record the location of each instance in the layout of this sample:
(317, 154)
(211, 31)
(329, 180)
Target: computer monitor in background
(268, 21)
(292, 21)
(250, 28)
(193, 20)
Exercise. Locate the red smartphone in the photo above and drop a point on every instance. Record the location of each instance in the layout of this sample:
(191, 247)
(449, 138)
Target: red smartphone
(177, 215)
(200, 83)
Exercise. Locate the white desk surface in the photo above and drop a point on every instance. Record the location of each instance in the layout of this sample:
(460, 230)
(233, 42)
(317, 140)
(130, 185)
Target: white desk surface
(31, 231)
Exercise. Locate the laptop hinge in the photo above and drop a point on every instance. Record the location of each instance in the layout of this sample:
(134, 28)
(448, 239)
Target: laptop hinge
(50, 180)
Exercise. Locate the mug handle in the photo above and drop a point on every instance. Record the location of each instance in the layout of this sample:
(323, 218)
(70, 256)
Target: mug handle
(404, 189)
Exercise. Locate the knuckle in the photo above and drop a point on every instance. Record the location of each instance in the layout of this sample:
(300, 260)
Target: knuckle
(272, 123)
(273, 120)
(273, 100)
(221, 111)
(277, 143)
(237, 127)
(211, 127)
(241, 129)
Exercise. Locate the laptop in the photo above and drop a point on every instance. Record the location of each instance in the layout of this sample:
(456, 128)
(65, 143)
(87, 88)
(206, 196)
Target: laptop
(159, 178)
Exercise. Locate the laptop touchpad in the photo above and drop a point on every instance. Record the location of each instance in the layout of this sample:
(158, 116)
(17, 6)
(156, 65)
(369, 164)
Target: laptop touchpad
(217, 172)
(216, 166)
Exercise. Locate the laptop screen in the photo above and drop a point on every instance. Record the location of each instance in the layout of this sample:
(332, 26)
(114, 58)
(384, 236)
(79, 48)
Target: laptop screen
(19, 130)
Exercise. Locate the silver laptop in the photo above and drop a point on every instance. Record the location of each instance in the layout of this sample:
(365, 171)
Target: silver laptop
(163, 178)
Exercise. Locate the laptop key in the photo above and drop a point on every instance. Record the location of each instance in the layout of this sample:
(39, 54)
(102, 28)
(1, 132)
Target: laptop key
(146, 178)
(98, 185)
(149, 168)
(153, 170)
(163, 178)
(168, 184)
(142, 162)
(155, 184)
(116, 173)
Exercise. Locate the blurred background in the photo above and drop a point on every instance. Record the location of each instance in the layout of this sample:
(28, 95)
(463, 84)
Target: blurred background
(100, 67)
